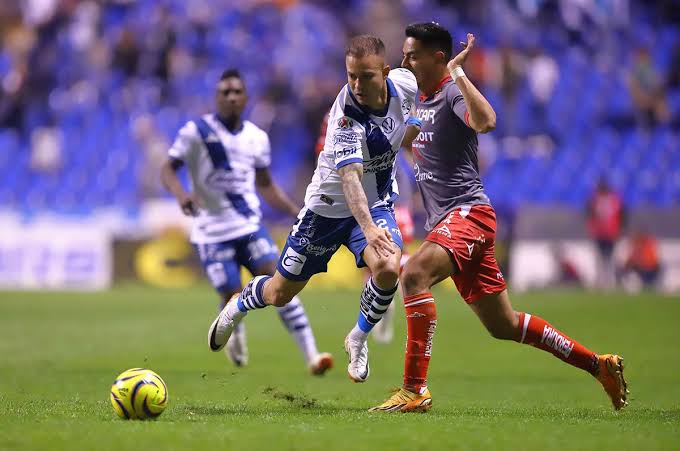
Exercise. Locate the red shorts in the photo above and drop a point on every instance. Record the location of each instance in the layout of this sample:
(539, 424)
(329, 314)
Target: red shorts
(405, 223)
(469, 234)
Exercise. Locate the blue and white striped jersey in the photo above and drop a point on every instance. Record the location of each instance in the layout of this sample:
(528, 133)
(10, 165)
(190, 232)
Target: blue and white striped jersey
(222, 167)
(356, 135)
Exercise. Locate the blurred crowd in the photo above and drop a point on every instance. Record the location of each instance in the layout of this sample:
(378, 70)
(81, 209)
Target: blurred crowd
(120, 76)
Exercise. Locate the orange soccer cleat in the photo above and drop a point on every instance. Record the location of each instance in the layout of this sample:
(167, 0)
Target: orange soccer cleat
(403, 400)
(610, 375)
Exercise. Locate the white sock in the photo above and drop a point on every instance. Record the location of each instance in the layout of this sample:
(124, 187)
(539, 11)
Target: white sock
(357, 334)
(294, 317)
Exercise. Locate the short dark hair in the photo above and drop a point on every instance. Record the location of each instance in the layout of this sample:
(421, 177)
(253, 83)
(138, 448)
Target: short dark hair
(363, 45)
(231, 73)
(431, 35)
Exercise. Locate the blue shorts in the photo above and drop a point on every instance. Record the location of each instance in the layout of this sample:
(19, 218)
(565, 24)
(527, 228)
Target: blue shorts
(314, 239)
(222, 261)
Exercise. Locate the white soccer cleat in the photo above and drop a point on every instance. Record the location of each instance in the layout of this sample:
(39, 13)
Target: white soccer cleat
(383, 332)
(357, 351)
(221, 329)
(237, 346)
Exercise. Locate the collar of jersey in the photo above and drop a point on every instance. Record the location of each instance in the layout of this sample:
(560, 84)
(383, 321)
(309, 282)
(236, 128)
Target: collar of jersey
(439, 87)
(235, 132)
(391, 92)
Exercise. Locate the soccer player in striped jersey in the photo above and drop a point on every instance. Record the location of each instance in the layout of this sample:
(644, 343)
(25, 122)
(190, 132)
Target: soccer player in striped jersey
(228, 158)
(349, 201)
(462, 227)
(383, 332)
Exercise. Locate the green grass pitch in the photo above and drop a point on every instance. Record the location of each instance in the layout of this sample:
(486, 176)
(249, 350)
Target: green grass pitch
(59, 353)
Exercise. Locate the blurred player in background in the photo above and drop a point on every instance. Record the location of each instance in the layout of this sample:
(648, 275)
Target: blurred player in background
(349, 202)
(462, 227)
(606, 221)
(228, 158)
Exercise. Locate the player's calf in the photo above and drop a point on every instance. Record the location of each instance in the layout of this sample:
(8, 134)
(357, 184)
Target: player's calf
(279, 291)
(373, 304)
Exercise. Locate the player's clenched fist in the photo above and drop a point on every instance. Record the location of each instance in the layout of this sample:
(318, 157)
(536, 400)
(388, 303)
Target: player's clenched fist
(189, 204)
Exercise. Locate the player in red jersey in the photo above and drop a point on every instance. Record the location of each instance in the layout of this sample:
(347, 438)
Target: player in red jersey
(462, 227)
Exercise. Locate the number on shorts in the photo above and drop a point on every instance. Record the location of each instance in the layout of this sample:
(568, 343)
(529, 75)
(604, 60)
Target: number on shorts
(216, 274)
(260, 248)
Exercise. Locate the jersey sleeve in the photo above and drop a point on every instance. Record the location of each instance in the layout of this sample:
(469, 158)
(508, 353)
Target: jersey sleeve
(455, 101)
(406, 82)
(185, 142)
(263, 153)
(347, 140)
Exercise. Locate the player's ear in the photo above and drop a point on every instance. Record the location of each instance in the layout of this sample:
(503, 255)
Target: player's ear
(440, 57)
(386, 71)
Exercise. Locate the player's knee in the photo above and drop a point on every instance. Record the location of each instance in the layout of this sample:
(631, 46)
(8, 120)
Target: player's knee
(386, 273)
(413, 279)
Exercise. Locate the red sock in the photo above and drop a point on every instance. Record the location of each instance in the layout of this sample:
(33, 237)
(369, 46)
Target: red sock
(539, 333)
(421, 321)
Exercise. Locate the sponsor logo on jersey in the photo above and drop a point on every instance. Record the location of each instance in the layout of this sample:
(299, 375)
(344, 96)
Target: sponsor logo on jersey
(223, 180)
(425, 137)
(303, 241)
(426, 115)
(420, 175)
(381, 163)
(387, 125)
(345, 137)
(406, 106)
(556, 341)
(345, 152)
(345, 123)
(293, 261)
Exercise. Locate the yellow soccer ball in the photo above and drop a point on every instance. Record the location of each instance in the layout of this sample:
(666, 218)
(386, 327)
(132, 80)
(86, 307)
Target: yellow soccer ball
(139, 394)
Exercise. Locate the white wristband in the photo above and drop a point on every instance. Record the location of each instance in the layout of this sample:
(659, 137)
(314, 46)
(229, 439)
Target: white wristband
(457, 72)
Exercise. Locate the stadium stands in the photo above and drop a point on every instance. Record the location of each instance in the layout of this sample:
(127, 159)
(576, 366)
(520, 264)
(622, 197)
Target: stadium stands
(90, 103)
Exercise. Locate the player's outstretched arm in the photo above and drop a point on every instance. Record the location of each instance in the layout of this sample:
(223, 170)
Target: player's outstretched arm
(379, 239)
(187, 201)
(273, 194)
(482, 116)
